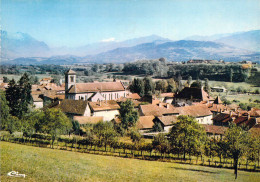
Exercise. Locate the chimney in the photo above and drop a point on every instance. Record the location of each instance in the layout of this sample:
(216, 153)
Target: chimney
(168, 106)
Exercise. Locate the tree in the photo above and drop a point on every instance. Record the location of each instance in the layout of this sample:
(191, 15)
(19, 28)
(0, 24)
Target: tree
(76, 127)
(55, 123)
(105, 132)
(25, 92)
(236, 140)
(160, 143)
(5, 79)
(196, 84)
(187, 135)
(189, 80)
(135, 136)
(127, 113)
(12, 96)
(137, 86)
(19, 96)
(161, 85)
(171, 85)
(4, 111)
(206, 85)
(149, 86)
(32, 122)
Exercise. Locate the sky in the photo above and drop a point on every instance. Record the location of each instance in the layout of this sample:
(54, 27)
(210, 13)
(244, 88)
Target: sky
(74, 23)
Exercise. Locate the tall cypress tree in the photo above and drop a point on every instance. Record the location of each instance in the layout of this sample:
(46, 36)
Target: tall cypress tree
(19, 96)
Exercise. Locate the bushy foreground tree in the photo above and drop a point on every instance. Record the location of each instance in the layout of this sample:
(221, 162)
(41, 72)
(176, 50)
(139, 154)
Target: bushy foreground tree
(54, 122)
(237, 143)
(106, 133)
(127, 113)
(187, 135)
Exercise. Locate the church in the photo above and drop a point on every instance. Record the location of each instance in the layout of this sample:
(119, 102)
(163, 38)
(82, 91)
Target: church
(94, 92)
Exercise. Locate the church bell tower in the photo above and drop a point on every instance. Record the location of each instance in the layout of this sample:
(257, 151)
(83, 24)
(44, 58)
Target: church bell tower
(70, 79)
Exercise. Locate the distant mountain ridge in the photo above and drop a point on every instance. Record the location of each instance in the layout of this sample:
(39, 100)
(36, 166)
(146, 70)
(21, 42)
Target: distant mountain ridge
(21, 45)
(21, 48)
(249, 40)
(182, 50)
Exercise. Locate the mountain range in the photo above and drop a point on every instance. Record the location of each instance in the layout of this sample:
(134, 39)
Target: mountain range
(21, 48)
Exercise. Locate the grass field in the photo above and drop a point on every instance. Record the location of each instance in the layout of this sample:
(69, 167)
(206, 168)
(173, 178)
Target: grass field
(43, 164)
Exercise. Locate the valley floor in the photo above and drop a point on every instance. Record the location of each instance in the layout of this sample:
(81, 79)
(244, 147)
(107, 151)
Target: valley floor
(43, 164)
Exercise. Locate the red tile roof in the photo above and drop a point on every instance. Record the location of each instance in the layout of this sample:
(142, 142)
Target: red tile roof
(169, 94)
(213, 129)
(194, 110)
(134, 96)
(104, 105)
(222, 117)
(70, 72)
(254, 112)
(168, 120)
(72, 106)
(245, 121)
(97, 86)
(158, 109)
(145, 122)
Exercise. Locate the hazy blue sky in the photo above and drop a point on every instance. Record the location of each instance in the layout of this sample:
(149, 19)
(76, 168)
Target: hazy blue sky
(80, 22)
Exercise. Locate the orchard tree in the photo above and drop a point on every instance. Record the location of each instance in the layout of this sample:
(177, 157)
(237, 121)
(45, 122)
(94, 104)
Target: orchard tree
(188, 135)
(55, 123)
(106, 133)
(161, 144)
(236, 140)
(128, 115)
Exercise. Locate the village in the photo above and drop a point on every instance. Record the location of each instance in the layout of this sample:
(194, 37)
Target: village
(90, 103)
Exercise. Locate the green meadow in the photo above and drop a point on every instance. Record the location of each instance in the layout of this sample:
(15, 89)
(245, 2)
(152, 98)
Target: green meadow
(44, 164)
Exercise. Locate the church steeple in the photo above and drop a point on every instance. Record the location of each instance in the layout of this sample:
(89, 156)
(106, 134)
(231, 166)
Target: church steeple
(70, 79)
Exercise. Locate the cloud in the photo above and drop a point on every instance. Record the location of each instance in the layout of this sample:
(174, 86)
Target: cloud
(108, 40)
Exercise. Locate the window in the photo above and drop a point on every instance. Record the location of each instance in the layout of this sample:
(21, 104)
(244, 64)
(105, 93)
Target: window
(71, 79)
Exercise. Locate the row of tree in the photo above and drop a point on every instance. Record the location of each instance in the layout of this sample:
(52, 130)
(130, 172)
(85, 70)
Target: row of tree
(146, 86)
